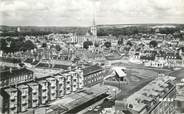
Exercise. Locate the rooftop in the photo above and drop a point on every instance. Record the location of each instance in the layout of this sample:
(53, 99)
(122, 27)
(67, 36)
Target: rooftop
(139, 100)
(14, 72)
(120, 71)
(41, 72)
(91, 69)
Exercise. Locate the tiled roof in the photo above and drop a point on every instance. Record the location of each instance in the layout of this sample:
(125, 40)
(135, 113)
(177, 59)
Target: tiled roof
(65, 67)
(91, 69)
(55, 66)
(14, 72)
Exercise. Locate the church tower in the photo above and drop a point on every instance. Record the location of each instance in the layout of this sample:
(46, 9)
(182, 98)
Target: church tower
(93, 27)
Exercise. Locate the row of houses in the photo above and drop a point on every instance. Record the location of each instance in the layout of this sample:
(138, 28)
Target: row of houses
(161, 58)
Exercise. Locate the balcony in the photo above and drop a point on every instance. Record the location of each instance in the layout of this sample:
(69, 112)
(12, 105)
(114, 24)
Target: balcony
(60, 84)
(24, 95)
(44, 89)
(34, 91)
(35, 99)
(68, 86)
(53, 92)
(13, 99)
(24, 103)
(53, 87)
(44, 95)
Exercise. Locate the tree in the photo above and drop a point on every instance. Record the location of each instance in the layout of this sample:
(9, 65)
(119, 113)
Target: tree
(58, 47)
(44, 45)
(87, 43)
(153, 43)
(28, 45)
(107, 44)
(120, 42)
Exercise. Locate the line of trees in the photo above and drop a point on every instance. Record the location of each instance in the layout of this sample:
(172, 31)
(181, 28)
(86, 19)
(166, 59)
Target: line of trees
(14, 45)
(135, 30)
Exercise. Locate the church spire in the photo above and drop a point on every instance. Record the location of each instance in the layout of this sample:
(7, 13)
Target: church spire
(93, 27)
(94, 23)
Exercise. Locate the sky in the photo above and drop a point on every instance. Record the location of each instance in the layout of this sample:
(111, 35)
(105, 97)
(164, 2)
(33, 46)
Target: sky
(81, 12)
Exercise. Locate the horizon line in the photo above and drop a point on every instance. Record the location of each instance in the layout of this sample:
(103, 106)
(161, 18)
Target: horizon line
(96, 25)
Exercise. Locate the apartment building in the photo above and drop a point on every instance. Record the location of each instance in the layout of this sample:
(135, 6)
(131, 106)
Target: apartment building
(52, 88)
(23, 96)
(44, 91)
(155, 98)
(60, 85)
(41, 91)
(33, 94)
(68, 83)
(75, 80)
(80, 78)
(1, 103)
(10, 100)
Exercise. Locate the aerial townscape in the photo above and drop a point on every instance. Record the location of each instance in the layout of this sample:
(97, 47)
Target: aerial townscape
(96, 69)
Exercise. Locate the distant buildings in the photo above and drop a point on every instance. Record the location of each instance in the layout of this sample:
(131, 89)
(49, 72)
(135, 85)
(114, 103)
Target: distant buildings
(157, 97)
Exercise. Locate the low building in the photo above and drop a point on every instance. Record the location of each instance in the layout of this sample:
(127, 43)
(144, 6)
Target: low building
(155, 98)
(120, 74)
(93, 75)
(15, 76)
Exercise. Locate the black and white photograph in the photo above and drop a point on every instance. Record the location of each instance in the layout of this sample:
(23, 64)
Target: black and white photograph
(91, 56)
